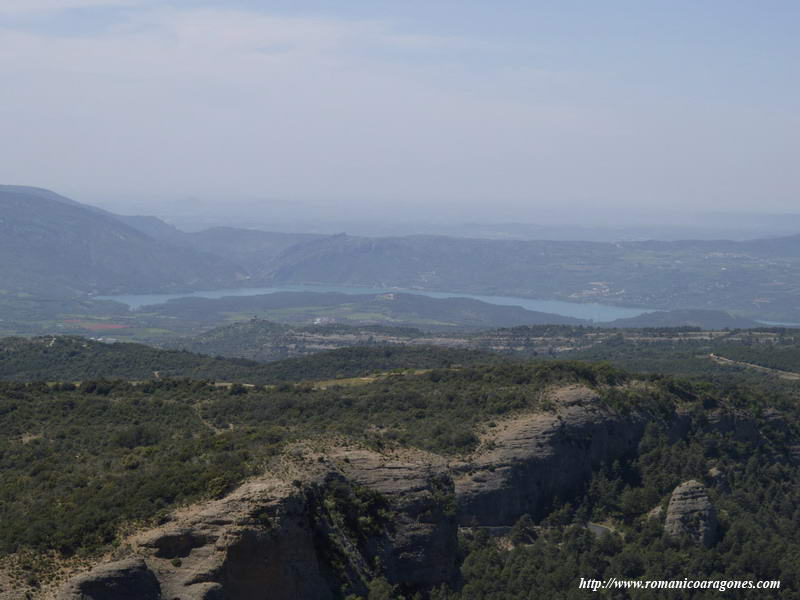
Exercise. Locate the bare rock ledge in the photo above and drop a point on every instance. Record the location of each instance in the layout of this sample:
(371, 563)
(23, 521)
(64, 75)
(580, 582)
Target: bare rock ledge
(272, 538)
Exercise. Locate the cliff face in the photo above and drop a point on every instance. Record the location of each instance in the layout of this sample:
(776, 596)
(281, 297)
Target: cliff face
(535, 458)
(422, 544)
(129, 579)
(353, 514)
(235, 547)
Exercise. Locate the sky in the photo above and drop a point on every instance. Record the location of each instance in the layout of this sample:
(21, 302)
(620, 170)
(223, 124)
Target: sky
(435, 109)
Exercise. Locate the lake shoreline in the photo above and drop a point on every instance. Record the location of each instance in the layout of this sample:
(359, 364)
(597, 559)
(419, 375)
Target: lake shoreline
(596, 312)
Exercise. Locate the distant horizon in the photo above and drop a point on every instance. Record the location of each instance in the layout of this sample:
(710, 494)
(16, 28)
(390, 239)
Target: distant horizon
(402, 110)
(550, 226)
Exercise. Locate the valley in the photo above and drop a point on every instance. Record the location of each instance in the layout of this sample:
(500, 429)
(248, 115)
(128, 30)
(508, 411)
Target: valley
(67, 257)
(204, 415)
(383, 300)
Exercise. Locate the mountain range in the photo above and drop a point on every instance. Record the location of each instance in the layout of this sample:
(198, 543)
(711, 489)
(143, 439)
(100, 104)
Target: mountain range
(53, 246)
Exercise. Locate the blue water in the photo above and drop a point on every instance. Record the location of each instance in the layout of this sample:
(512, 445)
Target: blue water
(778, 324)
(595, 312)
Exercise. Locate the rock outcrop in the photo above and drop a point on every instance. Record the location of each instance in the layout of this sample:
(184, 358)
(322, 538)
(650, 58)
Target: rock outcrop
(344, 516)
(739, 425)
(536, 458)
(421, 549)
(691, 515)
(258, 537)
(355, 510)
(128, 579)
(656, 513)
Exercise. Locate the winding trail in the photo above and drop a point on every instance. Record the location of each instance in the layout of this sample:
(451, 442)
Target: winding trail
(776, 372)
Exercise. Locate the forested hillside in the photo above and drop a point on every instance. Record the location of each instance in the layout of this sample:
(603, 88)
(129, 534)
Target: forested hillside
(782, 354)
(115, 454)
(55, 358)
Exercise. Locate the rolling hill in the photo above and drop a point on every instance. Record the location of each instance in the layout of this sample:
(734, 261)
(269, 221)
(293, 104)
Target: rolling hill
(704, 319)
(360, 309)
(64, 358)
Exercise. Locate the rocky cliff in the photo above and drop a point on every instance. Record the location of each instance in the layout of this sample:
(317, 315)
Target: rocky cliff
(339, 516)
(259, 536)
(129, 579)
(535, 458)
(352, 515)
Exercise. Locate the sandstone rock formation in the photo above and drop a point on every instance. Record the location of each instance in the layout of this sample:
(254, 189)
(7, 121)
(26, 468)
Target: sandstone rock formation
(718, 479)
(691, 515)
(346, 515)
(536, 458)
(296, 540)
(655, 513)
(422, 548)
(122, 580)
(737, 424)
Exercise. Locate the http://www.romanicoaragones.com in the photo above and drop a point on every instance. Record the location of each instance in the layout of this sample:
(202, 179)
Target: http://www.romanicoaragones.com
(721, 585)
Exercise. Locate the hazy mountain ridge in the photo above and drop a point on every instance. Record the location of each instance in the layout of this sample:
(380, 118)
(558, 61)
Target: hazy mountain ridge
(52, 247)
(57, 246)
(755, 278)
(250, 248)
(429, 262)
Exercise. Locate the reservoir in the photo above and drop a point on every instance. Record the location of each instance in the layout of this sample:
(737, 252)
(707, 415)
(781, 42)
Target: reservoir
(596, 312)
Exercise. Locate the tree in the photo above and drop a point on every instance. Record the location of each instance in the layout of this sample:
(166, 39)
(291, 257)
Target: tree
(523, 531)
(380, 589)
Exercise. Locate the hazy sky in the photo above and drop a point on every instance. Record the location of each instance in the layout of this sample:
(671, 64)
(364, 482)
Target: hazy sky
(471, 108)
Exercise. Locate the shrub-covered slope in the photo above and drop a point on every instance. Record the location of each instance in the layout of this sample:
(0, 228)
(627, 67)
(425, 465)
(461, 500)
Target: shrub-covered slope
(83, 464)
(63, 358)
